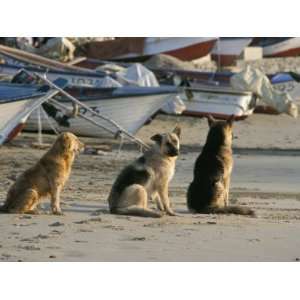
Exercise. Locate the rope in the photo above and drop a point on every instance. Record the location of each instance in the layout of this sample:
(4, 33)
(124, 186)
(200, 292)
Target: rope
(120, 145)
(49, 122)
(40, 137)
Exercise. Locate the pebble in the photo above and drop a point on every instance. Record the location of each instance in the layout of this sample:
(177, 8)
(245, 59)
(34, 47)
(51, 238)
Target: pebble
(55, 224)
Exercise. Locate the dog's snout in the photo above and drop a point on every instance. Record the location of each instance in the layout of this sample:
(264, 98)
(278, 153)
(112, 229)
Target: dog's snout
(174, 152)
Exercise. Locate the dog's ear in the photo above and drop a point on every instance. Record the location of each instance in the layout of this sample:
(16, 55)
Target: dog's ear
(177, 131)
(230, 120)
(210, 120)
(157, 138)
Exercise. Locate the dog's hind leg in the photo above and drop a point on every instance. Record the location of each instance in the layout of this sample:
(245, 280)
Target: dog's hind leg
(134, 201)
(25, 203)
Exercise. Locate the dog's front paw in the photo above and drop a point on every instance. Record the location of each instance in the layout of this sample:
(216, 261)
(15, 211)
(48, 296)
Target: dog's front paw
(170, 212)
(57, 212)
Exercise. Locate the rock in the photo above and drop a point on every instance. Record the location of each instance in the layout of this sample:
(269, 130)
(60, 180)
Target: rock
(55, 224)
(142, 238)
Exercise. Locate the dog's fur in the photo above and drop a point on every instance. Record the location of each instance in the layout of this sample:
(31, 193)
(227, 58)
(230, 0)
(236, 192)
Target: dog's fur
(209, 190)
(46, 178)
(147, 178)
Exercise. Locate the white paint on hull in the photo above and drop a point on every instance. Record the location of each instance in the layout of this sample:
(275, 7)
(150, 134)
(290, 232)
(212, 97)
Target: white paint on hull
(130, 113)
(229, 46)
(156, 45)
(292, 43)
(238, 104)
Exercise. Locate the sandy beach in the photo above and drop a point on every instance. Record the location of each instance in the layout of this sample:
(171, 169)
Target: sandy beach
(266, 177)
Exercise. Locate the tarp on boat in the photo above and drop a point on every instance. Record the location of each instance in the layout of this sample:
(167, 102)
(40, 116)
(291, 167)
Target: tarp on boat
(109, 82)
(254, 80)
(137, 75)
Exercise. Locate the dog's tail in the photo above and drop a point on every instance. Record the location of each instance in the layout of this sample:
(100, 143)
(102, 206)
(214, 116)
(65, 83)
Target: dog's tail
(3, 209)
(236, 210)
(137, 211)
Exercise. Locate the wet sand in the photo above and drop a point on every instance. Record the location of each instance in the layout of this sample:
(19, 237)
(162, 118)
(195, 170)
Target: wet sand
(266, 177)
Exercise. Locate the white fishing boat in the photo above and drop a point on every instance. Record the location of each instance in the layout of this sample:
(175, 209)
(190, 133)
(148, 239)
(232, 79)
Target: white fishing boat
(130, 107)
(17, 103)
(228, 49)
(220, 102)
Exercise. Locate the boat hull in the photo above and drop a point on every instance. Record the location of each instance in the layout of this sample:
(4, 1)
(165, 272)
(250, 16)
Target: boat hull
(74, 78)
(289, 47)
(227, 50)
(8, 128)
(17, 103)
(184, 48)
(131, 113)
(220, 103)
(192, 52)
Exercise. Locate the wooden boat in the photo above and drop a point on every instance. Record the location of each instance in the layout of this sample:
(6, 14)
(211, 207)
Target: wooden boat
(17, 103)
(130, 107)
(220, 102)
(228, 49)
(184, 48)
(278, 46)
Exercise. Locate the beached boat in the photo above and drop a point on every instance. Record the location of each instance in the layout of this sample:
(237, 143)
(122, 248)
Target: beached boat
(130, 107)
(79, 79)
(228, 49)
(220, 102)
(23, 58)
(17, 103)
(184, 48)
(285, 82)
(278, 46)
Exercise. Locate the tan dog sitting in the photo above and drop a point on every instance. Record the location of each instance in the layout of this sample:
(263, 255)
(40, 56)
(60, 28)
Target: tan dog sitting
(147, 178)
(46, 178)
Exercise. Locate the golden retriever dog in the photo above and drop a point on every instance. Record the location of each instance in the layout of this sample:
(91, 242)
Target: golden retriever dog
(46, 178)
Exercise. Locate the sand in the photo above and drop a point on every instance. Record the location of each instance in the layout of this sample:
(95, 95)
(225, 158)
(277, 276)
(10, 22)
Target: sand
(266, 177)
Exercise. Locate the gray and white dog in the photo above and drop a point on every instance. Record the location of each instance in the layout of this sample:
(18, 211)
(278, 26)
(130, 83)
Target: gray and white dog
(147, 178)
